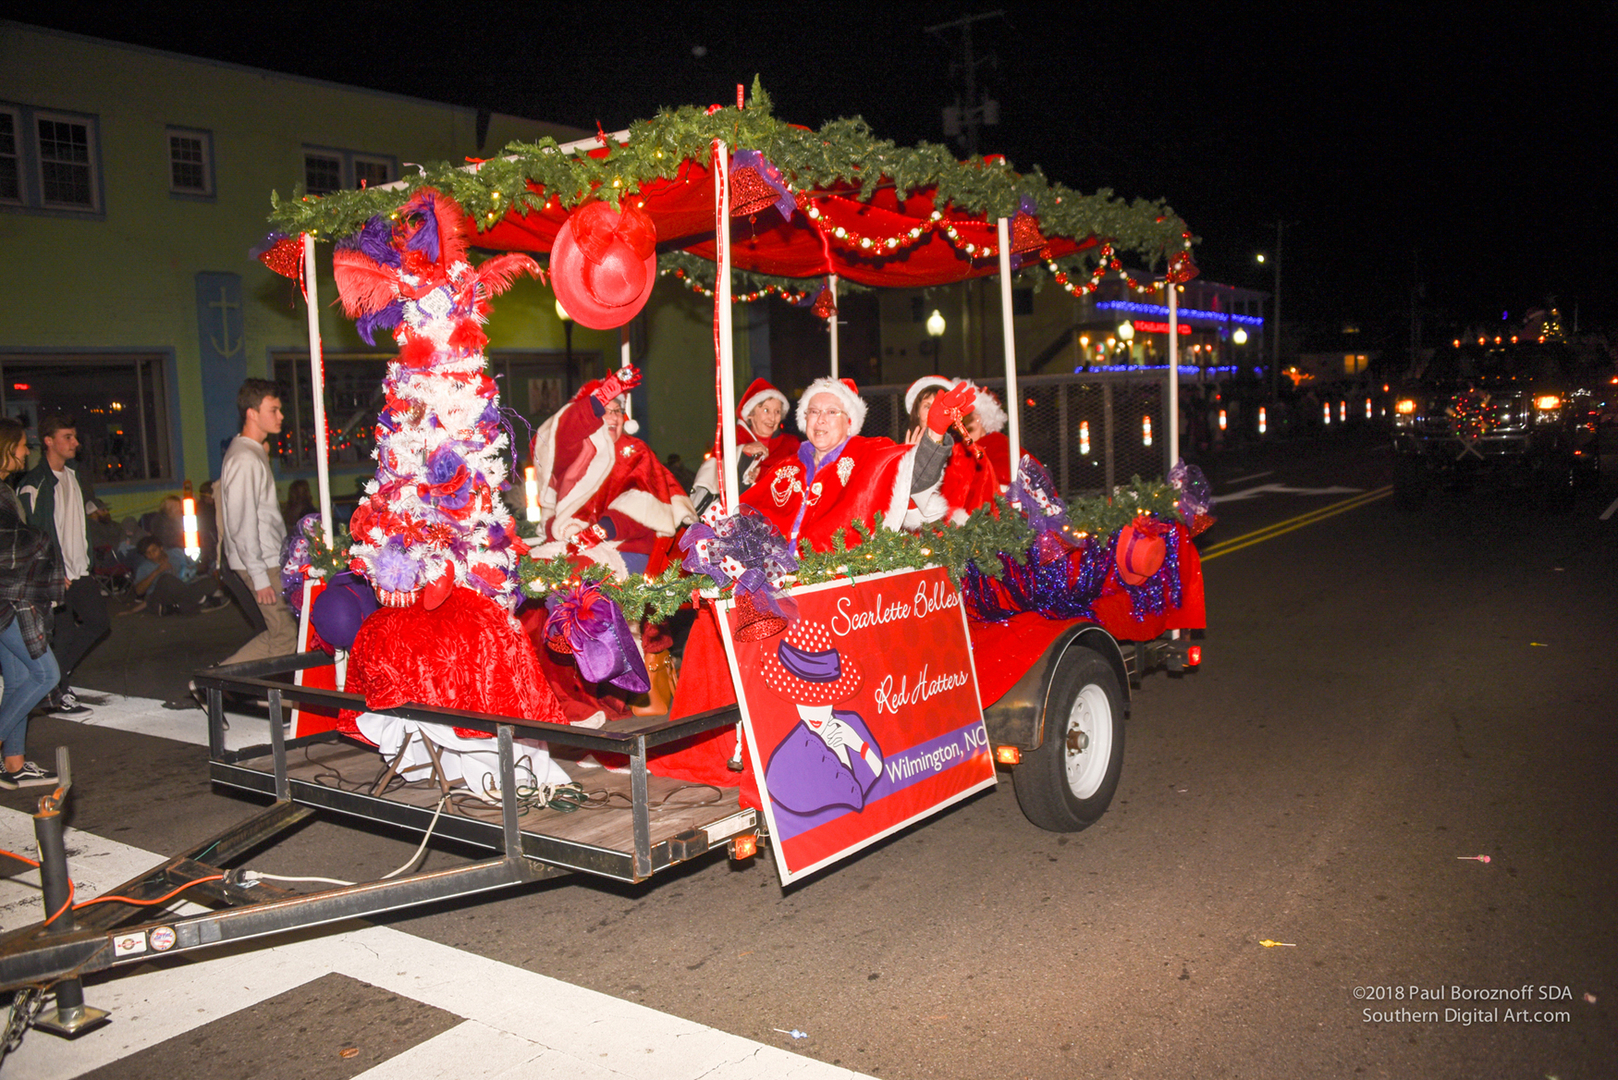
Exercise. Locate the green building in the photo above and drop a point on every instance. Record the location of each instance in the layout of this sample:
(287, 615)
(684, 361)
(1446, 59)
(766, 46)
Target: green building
(133, 183)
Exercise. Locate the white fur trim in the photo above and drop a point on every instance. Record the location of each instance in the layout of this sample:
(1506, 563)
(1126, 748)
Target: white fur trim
(893, 518)
(545, 464)
(990, 414)
(758, 399)
(852, 403)
(631, 426)
(922, 385)
(642, 506)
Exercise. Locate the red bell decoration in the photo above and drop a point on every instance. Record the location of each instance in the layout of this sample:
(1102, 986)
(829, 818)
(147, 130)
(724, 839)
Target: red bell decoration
(749, 194)
(1025, 234)
(1182, 268)
(283, 254)
(825, 306)
(753, 623)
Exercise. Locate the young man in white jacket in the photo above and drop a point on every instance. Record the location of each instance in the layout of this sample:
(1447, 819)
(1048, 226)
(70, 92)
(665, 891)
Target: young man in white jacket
(251, 531)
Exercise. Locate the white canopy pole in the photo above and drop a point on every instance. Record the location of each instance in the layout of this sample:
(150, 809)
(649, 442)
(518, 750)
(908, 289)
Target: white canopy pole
(623, 362)
(317, 383)
(1173, 417)
(1008, 333)
(727, 344)
(831, 324)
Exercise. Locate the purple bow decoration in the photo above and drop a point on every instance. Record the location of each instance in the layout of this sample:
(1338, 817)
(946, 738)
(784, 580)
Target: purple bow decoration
(1196, 496)
(746, 549)
(1034, 495)
(585, 622)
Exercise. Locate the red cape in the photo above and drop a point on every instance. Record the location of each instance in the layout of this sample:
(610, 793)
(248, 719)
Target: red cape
(866, 478)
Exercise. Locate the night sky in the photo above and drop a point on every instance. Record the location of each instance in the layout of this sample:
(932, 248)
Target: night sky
(1458, 149)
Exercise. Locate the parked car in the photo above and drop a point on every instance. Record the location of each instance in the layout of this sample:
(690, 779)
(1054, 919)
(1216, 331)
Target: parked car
(1525, 412)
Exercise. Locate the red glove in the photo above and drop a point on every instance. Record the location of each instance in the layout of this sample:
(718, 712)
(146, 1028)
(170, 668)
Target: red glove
(950, 406)
(585, 539)
(617, 382)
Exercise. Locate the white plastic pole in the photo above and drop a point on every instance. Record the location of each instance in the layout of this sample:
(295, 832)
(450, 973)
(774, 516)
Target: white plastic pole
(1008, 332)
(317, 382)
(1173, 417)
(831, 324)
(623, 362)
(727, 344)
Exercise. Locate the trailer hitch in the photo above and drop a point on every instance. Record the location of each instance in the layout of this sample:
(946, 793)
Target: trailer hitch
(72, 1017)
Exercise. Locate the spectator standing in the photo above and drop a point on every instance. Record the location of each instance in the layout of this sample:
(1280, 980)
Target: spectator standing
(31, 583)
(251, 531)
(51, 494)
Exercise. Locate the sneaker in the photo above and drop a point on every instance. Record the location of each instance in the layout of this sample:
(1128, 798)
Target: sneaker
(30, 775)
(65, 706)
(214, 603)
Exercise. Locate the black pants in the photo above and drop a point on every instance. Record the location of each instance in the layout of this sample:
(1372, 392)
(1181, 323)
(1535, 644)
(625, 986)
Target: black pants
(170, 591)
(80, 626)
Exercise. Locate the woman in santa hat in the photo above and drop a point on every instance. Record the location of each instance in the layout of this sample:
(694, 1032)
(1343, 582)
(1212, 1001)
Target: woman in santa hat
(759, 438)
(969, 480)
(603, 494)
(986, 426)
(839, 476)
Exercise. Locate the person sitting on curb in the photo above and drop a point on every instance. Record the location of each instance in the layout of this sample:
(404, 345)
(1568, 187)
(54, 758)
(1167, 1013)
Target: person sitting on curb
(166, 579)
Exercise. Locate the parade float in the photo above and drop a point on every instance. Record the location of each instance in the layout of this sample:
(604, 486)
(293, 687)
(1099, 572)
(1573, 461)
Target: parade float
(827, 697)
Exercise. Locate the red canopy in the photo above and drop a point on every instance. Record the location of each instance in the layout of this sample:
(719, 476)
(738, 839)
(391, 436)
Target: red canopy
(953, 247)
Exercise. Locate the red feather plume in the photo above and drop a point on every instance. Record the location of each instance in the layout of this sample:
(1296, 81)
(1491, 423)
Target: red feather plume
(498, 274)
(364, 284)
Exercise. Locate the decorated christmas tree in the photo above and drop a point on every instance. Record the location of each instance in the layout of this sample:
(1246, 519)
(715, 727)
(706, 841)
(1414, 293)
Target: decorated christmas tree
(432, 517)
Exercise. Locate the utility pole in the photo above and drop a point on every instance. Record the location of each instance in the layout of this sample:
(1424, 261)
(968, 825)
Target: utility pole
(1275, 331)
(972, 114)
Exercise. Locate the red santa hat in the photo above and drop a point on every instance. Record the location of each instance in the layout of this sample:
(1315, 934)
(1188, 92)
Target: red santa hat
(990, 414)
(757, 394)
(924, 384)
(845, 391)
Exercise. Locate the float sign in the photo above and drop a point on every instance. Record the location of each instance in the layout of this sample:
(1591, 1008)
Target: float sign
(861, 716)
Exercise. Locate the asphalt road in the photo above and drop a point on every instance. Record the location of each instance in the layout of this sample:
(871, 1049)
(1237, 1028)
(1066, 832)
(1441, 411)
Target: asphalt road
(1383, 696)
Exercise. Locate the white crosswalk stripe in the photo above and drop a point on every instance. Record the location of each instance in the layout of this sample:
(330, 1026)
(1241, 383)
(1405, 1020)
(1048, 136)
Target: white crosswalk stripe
(534, 1026)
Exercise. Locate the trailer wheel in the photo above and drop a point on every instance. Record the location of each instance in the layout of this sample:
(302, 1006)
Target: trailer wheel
(1068, 783)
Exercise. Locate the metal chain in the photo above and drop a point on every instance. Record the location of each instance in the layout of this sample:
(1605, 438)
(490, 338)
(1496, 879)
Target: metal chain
(25, 1008)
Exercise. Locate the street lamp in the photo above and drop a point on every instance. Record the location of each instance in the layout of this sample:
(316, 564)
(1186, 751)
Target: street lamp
(935, 332)
(1239, 337)
(567, 330)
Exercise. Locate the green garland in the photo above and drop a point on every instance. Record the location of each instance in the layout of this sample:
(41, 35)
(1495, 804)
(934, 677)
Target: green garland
(842, 152)
(980, 539)
(327, 562)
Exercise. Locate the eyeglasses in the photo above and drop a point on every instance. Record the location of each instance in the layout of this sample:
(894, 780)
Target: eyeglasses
(812, 414)
(615, 410)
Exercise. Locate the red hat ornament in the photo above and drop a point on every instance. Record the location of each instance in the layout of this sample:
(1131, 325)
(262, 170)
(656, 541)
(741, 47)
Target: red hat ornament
(604, 263)
(1140, 551)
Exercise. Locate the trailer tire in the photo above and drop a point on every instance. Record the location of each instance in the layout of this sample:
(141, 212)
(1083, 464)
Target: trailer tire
(1068, 783)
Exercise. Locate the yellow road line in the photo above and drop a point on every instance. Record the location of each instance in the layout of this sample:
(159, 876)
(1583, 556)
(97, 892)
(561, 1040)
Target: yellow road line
(1270, 532)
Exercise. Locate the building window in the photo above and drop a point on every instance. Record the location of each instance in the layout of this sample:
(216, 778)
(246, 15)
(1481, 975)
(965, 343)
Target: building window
(10, 158)
(49, 160)
(118, 402)
(371, 171)
(190, 162)
(353, 398)
(326, 170)
(67, 179)
(322, 173)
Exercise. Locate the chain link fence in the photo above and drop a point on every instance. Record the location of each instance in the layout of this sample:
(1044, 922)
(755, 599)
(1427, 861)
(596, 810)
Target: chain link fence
(1093, 430)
